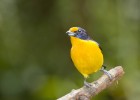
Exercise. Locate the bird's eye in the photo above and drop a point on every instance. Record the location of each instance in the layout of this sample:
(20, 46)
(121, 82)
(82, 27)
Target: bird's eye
(79, 31)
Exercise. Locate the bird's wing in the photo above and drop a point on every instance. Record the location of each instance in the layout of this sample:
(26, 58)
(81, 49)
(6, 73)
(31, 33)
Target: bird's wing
(100, 48)
(97, 44)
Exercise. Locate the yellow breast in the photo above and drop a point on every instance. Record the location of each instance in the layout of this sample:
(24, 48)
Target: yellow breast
(86, 56)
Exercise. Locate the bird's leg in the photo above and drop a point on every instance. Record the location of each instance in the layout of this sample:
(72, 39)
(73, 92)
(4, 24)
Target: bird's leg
(86, 83)
(106, 72)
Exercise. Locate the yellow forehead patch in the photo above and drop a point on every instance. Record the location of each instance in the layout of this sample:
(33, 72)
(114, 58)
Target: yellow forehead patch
(73, 29)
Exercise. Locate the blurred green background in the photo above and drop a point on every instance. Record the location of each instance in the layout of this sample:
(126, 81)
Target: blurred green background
(34, 50)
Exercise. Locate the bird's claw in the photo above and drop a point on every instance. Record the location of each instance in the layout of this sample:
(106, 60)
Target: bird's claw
(86, 84)
(107, 73)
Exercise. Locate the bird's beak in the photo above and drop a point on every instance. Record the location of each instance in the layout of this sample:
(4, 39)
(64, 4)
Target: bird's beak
(70, 33)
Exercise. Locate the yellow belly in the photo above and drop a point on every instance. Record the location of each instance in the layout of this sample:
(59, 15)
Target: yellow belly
(86, 56)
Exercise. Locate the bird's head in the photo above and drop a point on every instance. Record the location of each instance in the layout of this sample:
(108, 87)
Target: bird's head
(78, 32)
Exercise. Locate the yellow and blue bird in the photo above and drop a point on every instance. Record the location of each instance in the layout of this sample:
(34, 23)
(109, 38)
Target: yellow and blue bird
(86, 53)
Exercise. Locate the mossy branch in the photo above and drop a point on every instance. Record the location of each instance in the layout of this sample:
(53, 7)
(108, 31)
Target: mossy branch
(86, 93)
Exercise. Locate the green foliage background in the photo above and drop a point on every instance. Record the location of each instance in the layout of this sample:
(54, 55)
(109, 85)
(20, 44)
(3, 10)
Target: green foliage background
(34, 49)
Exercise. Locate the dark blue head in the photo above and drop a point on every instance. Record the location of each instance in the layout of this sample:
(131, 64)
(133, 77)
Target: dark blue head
(78, 32)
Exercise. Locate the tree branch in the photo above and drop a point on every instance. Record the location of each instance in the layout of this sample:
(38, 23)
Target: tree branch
(86, 93)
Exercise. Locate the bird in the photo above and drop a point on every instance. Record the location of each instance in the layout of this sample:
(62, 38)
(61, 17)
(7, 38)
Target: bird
(86, 53)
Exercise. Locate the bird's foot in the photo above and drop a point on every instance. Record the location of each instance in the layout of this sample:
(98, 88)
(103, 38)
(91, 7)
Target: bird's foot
(106, 72)
(86, 84)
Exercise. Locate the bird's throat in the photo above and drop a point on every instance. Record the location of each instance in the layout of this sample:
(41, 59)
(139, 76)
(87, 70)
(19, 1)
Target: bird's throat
(76, 41)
